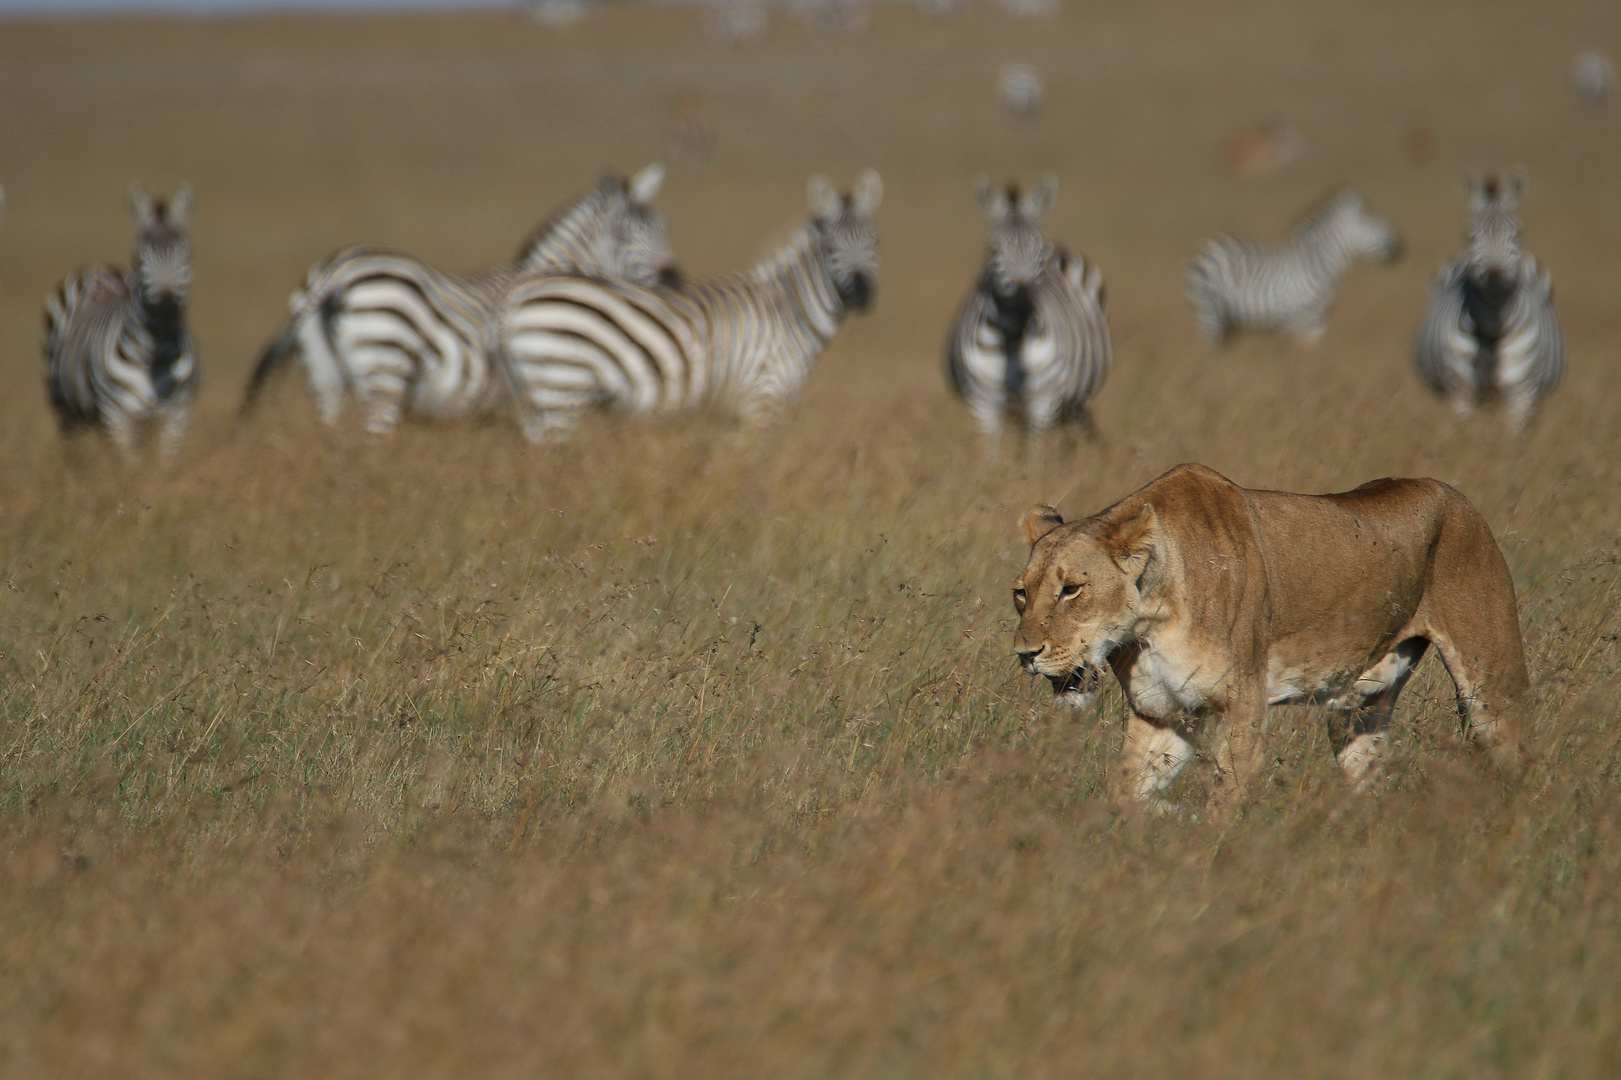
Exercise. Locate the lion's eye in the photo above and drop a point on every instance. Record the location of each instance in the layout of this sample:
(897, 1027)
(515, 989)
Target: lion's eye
(1018, 599)
(1070, 592)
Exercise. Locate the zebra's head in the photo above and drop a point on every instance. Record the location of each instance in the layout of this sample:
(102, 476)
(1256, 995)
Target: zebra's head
(162, 245)
(1018, 249)
(1348, 221)
(1494, 220)
(611, 231)
(844, 234)
(638, 245)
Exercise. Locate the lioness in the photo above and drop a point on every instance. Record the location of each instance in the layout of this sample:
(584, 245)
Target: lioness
(1211, 601)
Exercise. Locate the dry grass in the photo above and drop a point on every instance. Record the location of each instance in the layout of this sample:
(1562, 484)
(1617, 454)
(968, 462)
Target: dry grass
(679, 751)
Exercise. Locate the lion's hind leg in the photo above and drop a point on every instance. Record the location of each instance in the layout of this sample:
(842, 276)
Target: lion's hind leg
(1488, 701)
(1358, 718)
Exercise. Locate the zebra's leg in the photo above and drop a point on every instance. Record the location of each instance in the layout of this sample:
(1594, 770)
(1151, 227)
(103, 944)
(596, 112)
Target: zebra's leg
(382, 402)
(121, 429)
(173, 432)
(549, 425)
(382, 372)
(1521, 403)
(322, 368)
(1211, 321)
(1308, 329)
(988, 418)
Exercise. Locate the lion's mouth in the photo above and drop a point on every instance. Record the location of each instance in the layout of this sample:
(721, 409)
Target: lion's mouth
(1079, 683)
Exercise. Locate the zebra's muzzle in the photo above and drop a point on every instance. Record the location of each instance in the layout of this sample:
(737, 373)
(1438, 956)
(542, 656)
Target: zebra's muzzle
(856, 292)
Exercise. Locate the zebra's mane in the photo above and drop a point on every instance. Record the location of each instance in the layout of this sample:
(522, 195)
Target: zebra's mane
(1319, 212)
(565, 225)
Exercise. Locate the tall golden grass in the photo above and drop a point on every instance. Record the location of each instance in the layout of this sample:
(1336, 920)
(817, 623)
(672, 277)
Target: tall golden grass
(680, 750)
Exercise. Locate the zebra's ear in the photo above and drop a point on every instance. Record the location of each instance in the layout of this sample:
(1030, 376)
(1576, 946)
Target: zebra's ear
(869, 192)
(180, 206)
(1040, 198)
(140, 206)
(644, 186)
(991, 199)
(1515, 181)
(824, 198)
(1473, 187)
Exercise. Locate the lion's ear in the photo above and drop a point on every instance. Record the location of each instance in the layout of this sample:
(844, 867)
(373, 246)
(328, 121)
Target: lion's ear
(1040, 521)
(1135, 541)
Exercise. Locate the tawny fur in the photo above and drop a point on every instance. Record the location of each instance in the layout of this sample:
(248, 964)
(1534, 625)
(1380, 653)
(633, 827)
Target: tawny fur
(1210, 601)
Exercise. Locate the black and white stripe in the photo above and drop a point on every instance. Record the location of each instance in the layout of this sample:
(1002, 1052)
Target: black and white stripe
(745, 342)
(117, 352)
(1490, 331)
(1031, 344)
(1237, 285)
(401, 336)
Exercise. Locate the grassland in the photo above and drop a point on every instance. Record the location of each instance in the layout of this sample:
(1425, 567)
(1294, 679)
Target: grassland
(685, 751)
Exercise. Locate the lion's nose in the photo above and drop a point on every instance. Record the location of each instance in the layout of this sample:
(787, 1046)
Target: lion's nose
(1027, 656)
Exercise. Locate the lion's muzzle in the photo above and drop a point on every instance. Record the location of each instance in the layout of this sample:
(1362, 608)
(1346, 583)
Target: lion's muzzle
(1077, 687)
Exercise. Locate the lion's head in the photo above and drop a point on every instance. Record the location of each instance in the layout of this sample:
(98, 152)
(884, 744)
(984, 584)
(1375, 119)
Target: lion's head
(1078, 597)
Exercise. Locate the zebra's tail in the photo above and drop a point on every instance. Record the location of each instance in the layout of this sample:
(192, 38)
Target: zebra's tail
(305, 333)
(270, 361)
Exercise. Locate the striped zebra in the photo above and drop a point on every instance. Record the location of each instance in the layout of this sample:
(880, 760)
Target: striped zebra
(744, 342)
(1238, 285)
(1490, 331)
(401, 336)
(117, 352)
(1031, 343)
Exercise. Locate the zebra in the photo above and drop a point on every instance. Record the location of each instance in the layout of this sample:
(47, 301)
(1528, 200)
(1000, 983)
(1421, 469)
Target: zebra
(400, 335)
(1032, 341)
(1490, 330)
(117, 351)
(1238, 285)
(743, 342)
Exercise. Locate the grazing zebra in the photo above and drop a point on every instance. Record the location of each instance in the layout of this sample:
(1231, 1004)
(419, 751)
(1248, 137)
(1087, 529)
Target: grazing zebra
(743, 342)
(400, 335)
(1490, 330)
(117, 352)
(1032, 342)
(1237, 285)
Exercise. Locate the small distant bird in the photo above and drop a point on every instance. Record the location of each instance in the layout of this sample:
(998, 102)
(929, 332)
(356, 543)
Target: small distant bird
(1592, 77)
(1264, 150)
(1418, 143)
(691, 127)
(1490, 331)
(736, 21)
(1018, 88)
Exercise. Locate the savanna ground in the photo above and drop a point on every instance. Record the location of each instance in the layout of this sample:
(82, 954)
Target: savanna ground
(681, 751)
